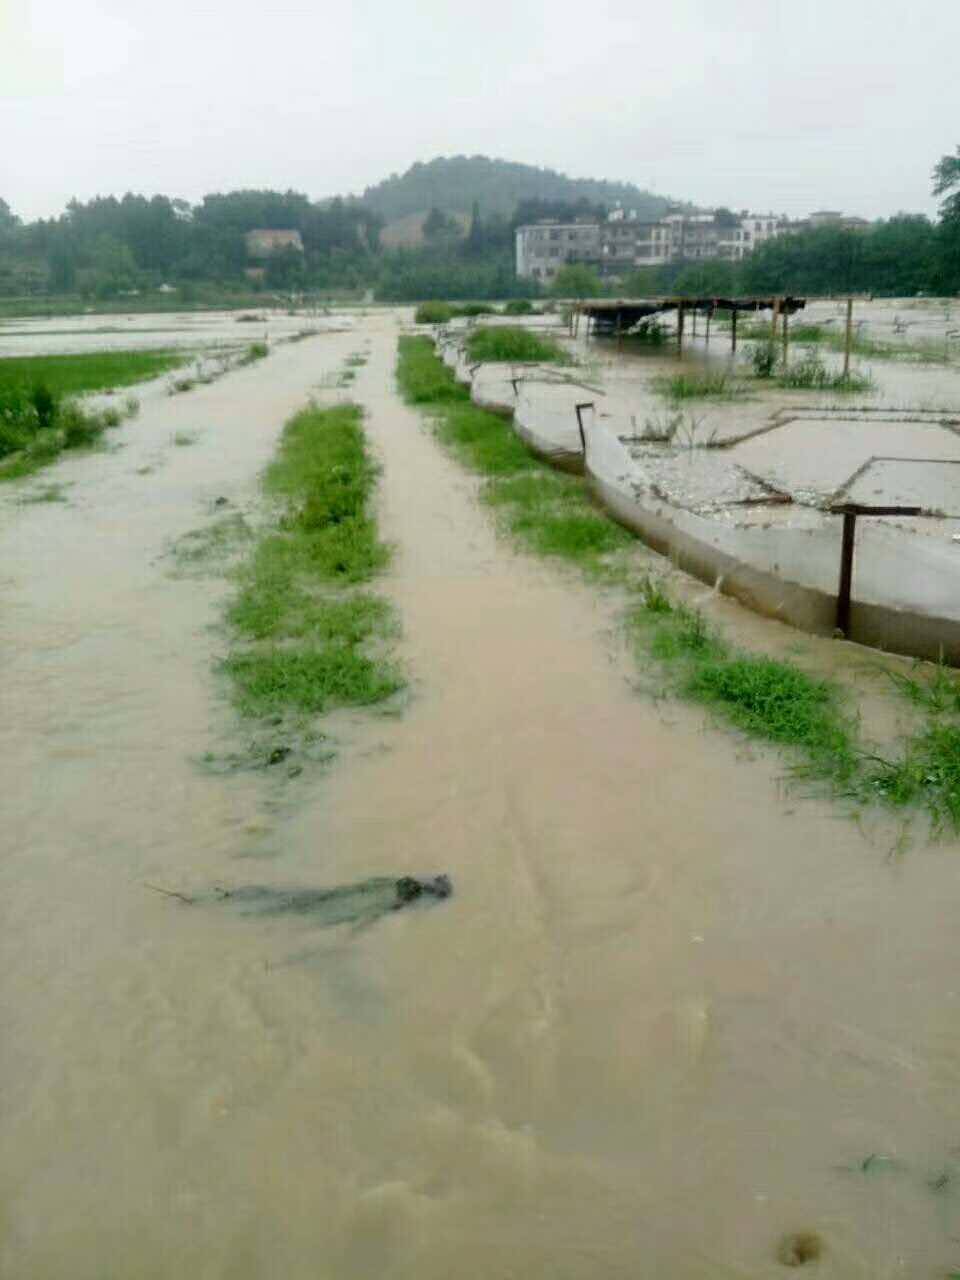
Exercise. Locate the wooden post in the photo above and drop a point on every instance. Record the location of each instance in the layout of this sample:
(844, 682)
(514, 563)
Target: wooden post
(848, 341)
(846, 573)
(680, 320)
(694, 334)
(733, 331)
(709, 318)
(773, 322)
(786, 337)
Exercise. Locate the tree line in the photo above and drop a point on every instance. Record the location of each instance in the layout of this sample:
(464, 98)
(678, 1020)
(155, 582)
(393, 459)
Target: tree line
(109, 246)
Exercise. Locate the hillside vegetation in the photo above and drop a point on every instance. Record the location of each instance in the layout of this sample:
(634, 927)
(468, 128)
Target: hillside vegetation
(455, 183)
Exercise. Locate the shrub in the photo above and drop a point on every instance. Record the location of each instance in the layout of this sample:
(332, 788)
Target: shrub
(433, 313)
(514, 344)
(764, 358)
(44, 403)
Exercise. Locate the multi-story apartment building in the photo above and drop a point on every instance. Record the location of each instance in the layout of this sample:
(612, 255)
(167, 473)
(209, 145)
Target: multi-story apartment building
(624, 242)
(544, 248)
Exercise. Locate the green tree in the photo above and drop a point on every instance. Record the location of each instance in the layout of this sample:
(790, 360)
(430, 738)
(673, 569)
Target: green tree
(946, 182)
(8, 219)
(438, 227)
(575, 280)
(713, 279)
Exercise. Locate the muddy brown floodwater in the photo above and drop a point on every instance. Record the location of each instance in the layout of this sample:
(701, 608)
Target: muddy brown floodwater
(671, 1016)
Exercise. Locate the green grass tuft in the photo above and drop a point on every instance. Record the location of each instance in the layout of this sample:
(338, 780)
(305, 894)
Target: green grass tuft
(777, 701)
(928, 774)
(311, 680)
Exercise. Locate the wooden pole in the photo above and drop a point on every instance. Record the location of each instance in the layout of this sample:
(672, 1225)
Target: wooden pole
(680, 320)
(709, 318)
(733, 331)
(694, 334)
(848, 341)
(773, 322)
(846, 573)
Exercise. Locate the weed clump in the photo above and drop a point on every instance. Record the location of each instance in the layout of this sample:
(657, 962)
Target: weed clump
(519, 307)
(777, 701)
(699, 386)
(254, 352)
(811, 374)
(37, 424)
(433, 313)
(764, 356)
(487, 345)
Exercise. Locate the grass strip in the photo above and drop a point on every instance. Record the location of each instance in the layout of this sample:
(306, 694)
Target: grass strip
(547, 512)
(307, 638)
(767, 699)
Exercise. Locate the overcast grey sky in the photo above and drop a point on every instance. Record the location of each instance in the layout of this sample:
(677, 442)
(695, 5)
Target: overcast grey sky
(793, 106)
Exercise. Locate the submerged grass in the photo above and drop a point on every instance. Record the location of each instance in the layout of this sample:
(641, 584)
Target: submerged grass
(700, 386)
(767, 699)
(307, 639)
(833, 338)
(811, 374)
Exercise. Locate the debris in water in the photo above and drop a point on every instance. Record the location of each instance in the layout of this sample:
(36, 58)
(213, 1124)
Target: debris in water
(360, 903)
(799, 1248)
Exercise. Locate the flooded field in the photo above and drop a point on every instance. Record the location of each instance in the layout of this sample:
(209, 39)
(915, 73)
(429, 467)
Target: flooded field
(673, 1012)
(195, 330)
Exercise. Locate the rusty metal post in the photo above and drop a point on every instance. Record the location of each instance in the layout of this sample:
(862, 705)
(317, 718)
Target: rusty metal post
(848, 341)
(845, 585)
(583, 436)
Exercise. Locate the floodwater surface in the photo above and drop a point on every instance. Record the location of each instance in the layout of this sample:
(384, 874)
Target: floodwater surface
(671, 1014)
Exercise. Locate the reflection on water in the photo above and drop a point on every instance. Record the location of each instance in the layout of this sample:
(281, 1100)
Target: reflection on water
(674, 1019)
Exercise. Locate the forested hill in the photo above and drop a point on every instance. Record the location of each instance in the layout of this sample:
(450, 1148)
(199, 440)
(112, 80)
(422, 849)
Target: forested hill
(453, 183)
